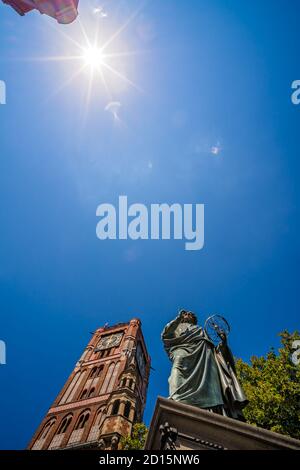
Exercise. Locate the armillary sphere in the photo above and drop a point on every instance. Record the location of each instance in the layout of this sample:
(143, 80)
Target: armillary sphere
(215, 326)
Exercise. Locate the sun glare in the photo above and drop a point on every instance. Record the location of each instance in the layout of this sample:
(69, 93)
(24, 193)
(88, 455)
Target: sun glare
(93, 57)
(94, 53)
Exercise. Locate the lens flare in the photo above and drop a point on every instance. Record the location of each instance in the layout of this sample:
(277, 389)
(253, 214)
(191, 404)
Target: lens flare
(93, 57)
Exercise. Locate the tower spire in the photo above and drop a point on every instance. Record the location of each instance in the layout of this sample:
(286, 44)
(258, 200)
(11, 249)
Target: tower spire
(104, 395)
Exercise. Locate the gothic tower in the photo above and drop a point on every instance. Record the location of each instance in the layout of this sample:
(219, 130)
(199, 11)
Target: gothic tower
(104, 395)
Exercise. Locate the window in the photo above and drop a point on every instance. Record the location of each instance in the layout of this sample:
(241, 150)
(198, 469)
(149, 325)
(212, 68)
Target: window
(47, 428)
(83, 418)
(64, 424)
(96, 371)
(95, 429)
(83, 395)
(107, 378)
(67, 396)
(99, 416)
(127, 409)
(115, 408)
(130, 383)
(113, 377)
(92, 392)
(122, 383)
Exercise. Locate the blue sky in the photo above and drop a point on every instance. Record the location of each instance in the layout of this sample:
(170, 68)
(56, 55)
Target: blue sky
(208, 74)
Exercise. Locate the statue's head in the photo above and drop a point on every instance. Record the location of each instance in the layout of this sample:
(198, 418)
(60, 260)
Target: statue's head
(187, 316)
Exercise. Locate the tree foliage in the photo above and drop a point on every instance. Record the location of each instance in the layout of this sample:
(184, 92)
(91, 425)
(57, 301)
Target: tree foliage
(137, 439)
(272, 386)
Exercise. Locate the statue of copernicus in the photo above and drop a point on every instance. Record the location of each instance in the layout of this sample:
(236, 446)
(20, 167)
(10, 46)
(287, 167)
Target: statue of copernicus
(203, 374)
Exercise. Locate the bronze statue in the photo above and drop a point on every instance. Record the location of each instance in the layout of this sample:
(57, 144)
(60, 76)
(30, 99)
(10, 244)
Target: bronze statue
(203, 374)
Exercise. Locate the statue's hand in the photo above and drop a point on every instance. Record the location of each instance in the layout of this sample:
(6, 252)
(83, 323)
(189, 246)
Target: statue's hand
(223, 337)
(169, 329)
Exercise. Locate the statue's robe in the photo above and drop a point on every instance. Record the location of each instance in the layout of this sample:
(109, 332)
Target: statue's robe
(233, 394)
(202, 375)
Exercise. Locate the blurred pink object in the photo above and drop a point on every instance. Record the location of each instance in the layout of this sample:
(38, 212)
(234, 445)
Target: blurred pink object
(64, 11)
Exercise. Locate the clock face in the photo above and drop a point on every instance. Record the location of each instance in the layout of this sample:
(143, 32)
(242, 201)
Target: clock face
(110, 341)
(141, 360)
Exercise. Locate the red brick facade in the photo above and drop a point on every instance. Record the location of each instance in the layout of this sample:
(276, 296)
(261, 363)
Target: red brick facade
(104, 395)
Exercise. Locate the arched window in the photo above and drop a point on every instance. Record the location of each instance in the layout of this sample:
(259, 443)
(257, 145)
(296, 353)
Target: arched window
(64, 424)
(82, 420)
(99, 370)
(130, 383)
(113, 377)
(99, 416)
(39, 443)
(83, 395)
(74, 382)
(122, 383)
(91, 392)
(107, 378)
(93, 372)
(115, 408)
(95, 429)
(127, 409)
(47, 428)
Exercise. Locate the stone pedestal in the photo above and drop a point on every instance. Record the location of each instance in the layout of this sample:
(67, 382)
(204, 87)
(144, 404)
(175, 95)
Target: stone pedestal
(178, 426)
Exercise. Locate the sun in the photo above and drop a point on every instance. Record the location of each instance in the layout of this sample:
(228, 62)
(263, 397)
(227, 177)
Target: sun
(93, 52)
(93, 57)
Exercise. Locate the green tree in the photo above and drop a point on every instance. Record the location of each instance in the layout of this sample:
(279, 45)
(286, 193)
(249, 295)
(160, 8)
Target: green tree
(272, 386)
(137, 439)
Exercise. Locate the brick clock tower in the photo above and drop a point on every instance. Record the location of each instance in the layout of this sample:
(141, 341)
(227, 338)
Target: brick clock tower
(104, 395)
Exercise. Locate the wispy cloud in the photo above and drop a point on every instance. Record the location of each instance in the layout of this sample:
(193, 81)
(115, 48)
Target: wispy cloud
(100, 12)
(114, 107)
